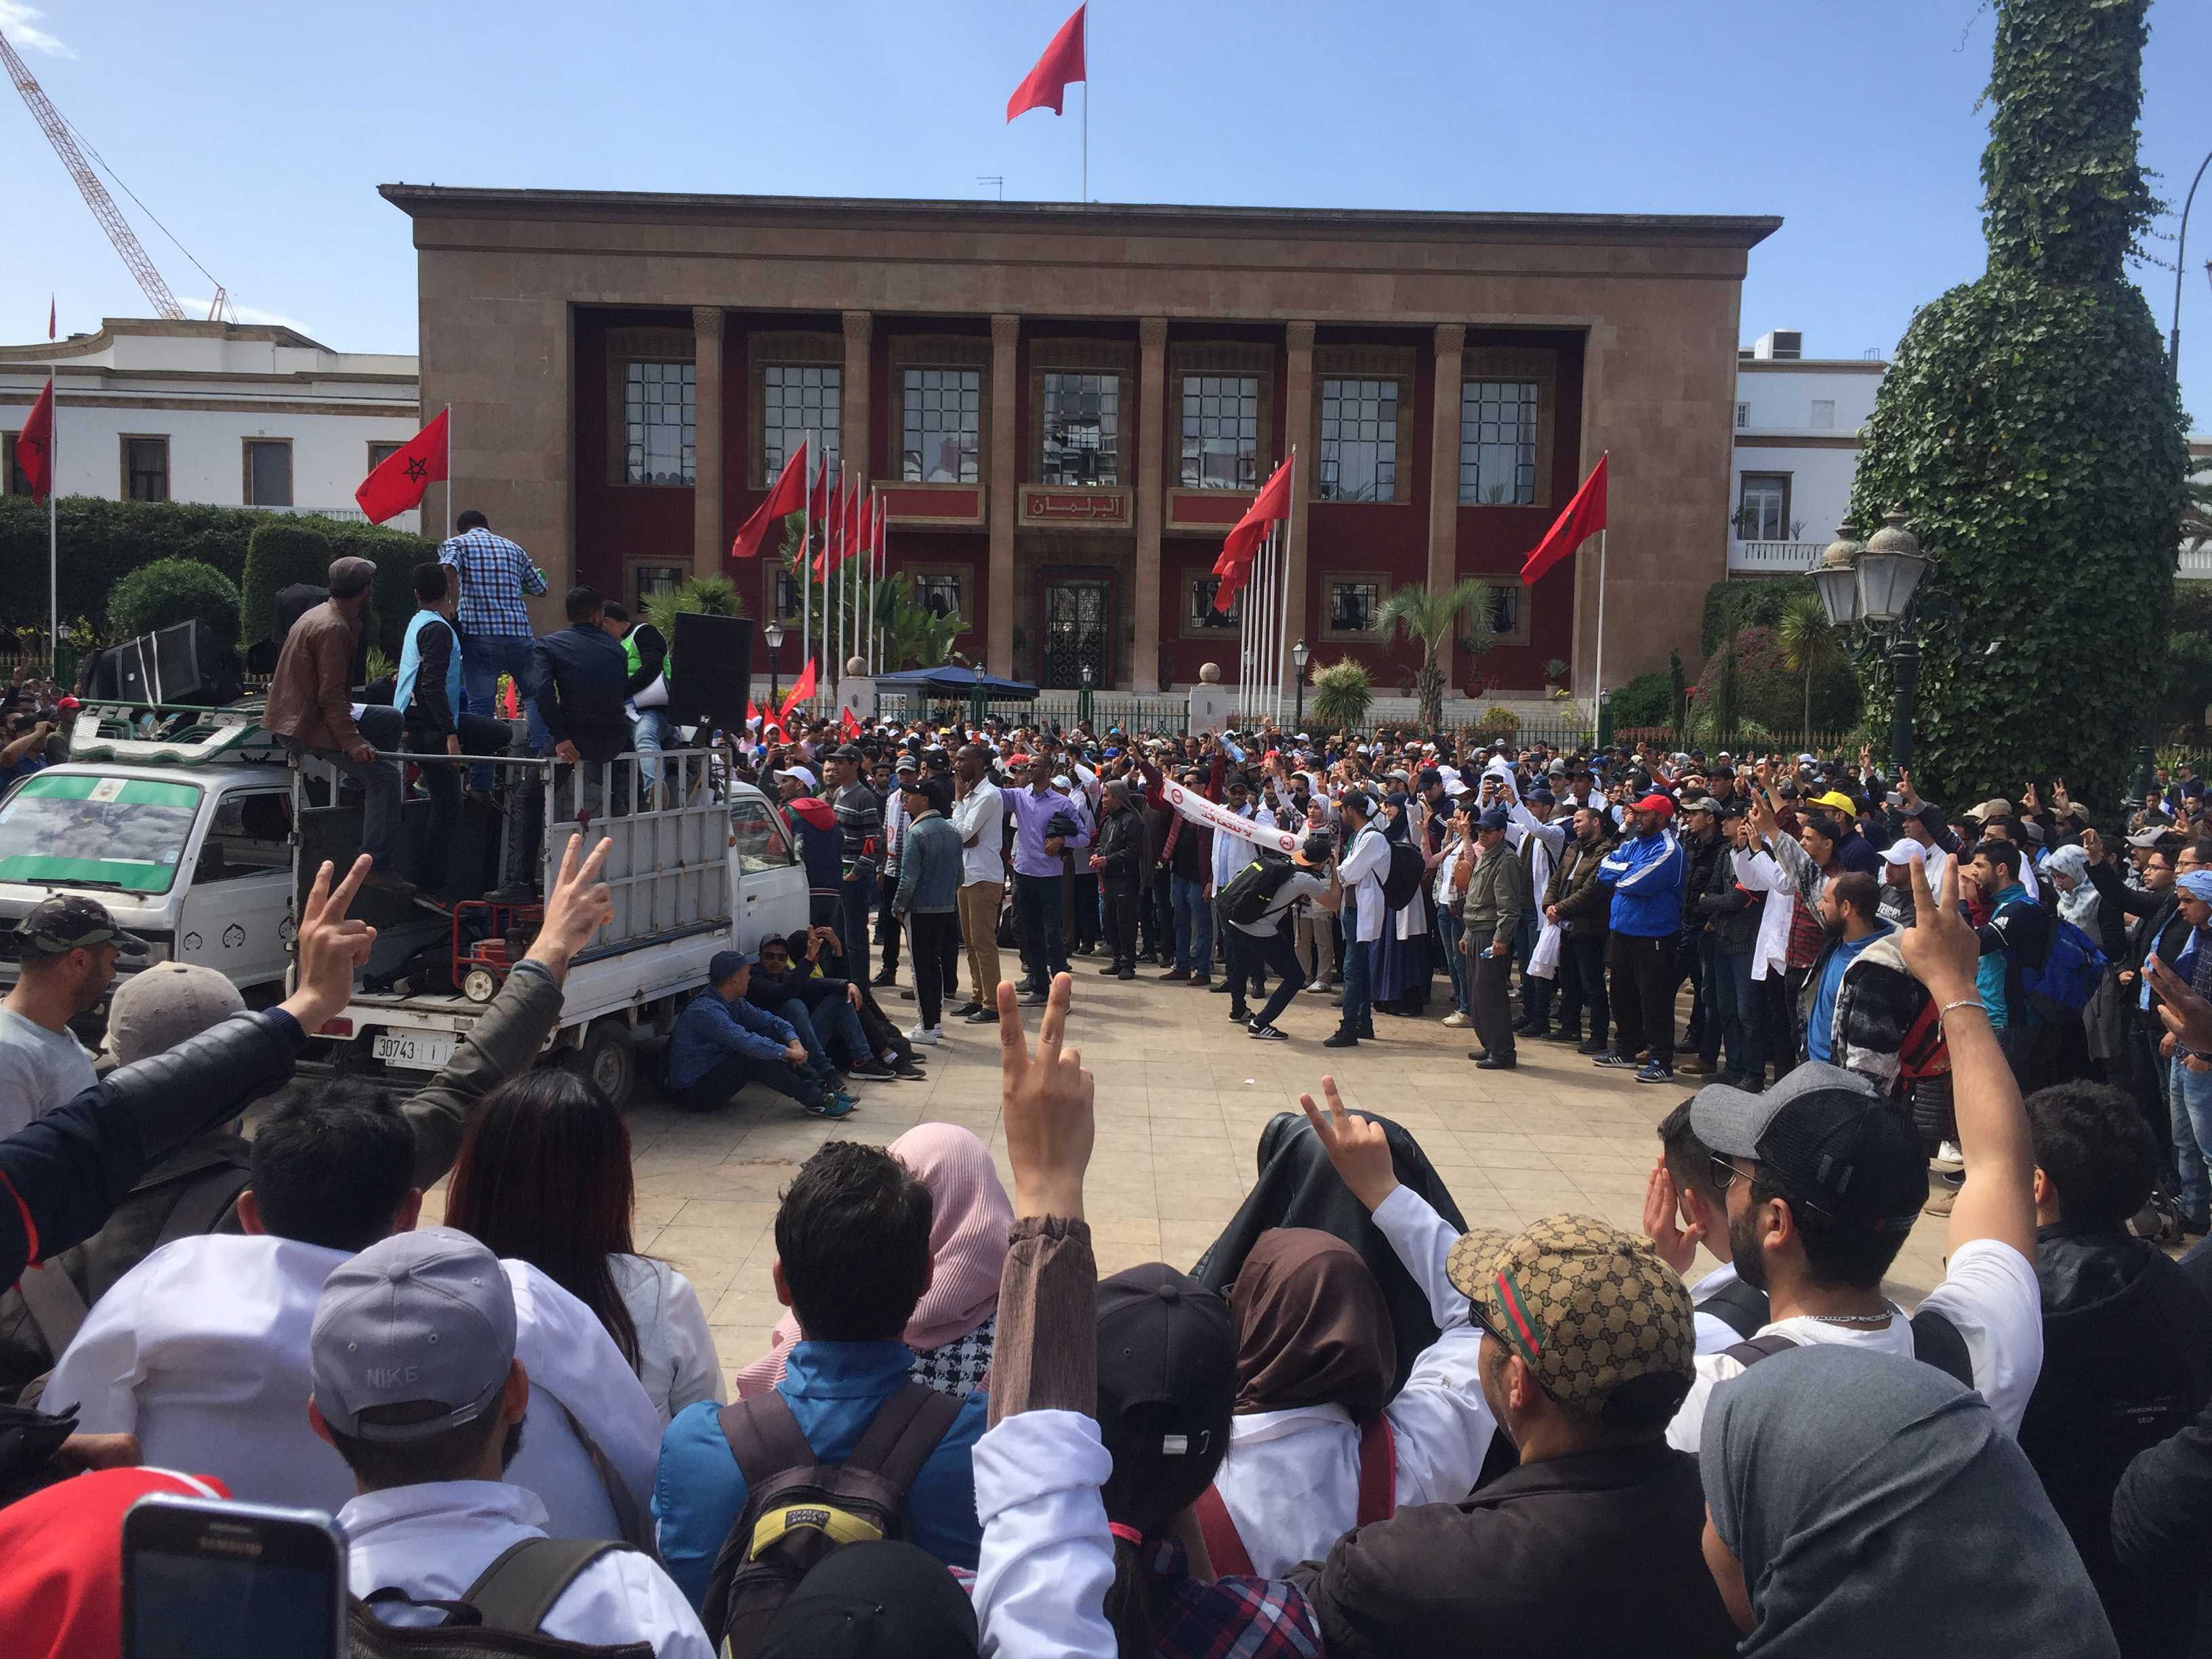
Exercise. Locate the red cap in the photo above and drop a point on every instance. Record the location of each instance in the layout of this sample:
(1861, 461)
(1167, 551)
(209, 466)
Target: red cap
(1017, 760)
(816, 810)
(1656, 802)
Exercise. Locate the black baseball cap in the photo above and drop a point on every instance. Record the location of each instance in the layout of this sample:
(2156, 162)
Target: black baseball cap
(1165, 1340)
(68, 921)
(1826, 1139)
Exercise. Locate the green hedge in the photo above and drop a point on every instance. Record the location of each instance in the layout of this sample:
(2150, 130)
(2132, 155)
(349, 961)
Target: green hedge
(280, 554)
(103, 541)
(171, 591)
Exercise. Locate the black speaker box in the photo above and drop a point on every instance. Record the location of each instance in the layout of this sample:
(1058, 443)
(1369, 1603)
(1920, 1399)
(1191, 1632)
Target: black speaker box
(713, 677)
(188, 663)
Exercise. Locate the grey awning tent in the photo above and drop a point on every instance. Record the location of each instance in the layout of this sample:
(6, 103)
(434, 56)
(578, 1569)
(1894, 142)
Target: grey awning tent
(951, 681)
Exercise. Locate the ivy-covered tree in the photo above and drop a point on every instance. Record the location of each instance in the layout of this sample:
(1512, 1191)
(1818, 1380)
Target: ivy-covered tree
(2032, 430)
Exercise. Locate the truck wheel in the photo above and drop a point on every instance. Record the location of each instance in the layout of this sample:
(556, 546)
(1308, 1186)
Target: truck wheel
(606, 1059)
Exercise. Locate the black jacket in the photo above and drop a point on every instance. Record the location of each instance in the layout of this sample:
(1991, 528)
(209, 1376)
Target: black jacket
(581, 673)
(1585, 906)
(2127, 1362)
(1121, 844)
(1703, 857)
(1732, 911)
(1595, 1553)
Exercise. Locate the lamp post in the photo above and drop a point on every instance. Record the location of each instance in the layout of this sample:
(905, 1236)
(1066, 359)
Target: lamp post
(1083, 700)
(774, 635)
(1298, 655)
(1876, 584)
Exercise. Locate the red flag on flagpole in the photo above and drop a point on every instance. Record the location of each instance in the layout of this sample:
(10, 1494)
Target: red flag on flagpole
(1243, 542)
(801, 690)
(847, 727)
(34, 445)
(1584, 517)
(1061, 64)
(820, 507)
(400, 480)
(788, 496)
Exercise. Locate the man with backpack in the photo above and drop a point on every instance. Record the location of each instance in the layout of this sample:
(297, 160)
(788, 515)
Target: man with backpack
(1859, 999)
(1366, 861)
(1824, 1177)
(417, 1388)
(1256, 902)
(1497, 897)
(846, 1434)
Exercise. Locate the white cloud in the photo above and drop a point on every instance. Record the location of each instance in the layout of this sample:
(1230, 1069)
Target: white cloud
(233, 311)
(18, 21)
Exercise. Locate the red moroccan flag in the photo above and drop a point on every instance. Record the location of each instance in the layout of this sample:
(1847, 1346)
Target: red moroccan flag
(34, 445)
(820, 507)
(847, 727)
(1243, 542)
(1062, 62)
(1585, 518)
(788, 496)
(801, 690)
(398, 482)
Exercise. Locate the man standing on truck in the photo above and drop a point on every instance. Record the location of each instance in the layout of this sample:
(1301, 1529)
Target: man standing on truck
(310, 712)
(495, 624)
(428, 695)
(721, 1042)
(581, 672)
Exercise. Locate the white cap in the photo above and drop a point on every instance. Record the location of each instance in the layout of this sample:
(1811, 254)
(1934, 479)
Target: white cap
(1904, 850)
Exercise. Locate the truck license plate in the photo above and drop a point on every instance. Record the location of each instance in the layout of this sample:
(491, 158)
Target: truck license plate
(414, 1051)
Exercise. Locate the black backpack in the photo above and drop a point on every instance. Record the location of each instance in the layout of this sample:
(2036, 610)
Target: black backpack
(798, 1509)
(1936, 1341)
(498, 1615)
(1738, 1306)
(1404, 879)
(1252, 889)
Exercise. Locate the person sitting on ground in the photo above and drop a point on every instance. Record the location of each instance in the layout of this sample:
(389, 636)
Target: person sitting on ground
(2127, 1345)
(66, 949)
(853, 1262)
(418, 1383)
(544, 1177)
(1319, 1444)
(721, 1042)
(1728, 1308)
(1825, 1177)
(819, 952)
(809, 1004)
(951, 1329)
(1860, 1503)
(310, 712)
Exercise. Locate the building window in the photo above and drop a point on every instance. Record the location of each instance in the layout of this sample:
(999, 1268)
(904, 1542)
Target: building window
(145, 469)
(943, 414)
(268, 472)
(788, 597)
(659, 411)
(800, 401)
(1762, 513)
(1358, 440)
(650, 581)
(12, 480)
(1082, 414)
(1203, 616)
(1504, 608)
(1824, 414)
(1498, 442)
(1220, 432)
(1743, 415)
(938, 594)
(380, 453)
(1351, 607)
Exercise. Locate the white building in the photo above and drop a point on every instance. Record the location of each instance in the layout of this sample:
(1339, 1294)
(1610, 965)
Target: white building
(225, 414)
(1798, 422)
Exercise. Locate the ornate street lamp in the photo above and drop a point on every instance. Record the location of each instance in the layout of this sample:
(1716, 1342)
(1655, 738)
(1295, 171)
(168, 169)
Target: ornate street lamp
(1298, 655)
(1878, 584)
(1083, 700)
(774, 635)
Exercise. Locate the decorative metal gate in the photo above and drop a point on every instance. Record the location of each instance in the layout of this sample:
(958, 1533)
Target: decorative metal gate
(1078, 614)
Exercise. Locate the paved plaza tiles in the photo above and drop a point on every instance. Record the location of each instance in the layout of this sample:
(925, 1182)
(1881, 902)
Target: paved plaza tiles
(1182, 1095)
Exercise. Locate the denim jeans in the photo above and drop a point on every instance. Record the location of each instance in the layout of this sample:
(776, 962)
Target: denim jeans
(1194, 926)
(649, 734)
(804, 1083)
(837, 1014)
(1449, 929)
(479, 735)
(1693, 961)
(1733, 1015)
(382, 727)
(1038, 899)
(852, 899)
(1359, 1004)
(484, 657)
(1582, 982)
(1536, 989)
(2191, 1095)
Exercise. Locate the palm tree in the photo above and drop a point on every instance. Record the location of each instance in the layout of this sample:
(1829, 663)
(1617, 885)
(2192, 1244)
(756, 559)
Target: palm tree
(1809, 644)
(1420, 613)
(1341, 696)
(2197, 510)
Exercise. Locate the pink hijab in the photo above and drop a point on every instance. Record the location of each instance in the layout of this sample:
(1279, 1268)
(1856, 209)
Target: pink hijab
(971, 1216)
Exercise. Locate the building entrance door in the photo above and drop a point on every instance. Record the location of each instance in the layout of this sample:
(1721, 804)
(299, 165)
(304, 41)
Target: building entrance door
(1078, 618)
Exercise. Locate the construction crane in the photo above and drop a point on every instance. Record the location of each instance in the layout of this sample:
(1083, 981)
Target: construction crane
(95, 193)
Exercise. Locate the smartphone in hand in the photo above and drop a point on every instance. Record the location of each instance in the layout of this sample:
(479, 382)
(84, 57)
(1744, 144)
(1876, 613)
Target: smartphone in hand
(202, 1577)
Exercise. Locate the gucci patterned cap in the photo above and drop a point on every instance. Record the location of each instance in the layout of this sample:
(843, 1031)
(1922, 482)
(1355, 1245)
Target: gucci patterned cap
(1591, 1310)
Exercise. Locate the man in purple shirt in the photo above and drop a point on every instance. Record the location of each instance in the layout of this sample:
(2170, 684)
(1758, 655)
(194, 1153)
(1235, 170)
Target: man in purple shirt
(1038, 872)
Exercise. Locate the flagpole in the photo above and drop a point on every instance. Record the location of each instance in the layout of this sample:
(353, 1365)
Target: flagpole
(53, 523)
(806, 557)
(1086, 102)
(449, 472)
(1597, 691)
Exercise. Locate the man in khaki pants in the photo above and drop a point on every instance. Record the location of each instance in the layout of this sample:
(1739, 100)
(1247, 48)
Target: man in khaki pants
(980, 816)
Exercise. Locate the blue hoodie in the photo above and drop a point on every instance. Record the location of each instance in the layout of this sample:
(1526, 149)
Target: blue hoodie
(1647, 874)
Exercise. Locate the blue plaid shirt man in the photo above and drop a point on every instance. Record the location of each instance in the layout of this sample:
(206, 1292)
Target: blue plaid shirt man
(496, 574)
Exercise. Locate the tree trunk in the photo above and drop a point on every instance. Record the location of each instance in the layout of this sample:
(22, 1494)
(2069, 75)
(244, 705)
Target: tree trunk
(1429, 691)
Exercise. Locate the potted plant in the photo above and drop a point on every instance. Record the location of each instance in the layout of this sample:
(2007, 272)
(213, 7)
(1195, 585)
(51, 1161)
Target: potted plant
(1555, 678)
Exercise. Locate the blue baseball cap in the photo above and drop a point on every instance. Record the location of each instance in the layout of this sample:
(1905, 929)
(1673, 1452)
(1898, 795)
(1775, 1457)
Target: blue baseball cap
(726, 962)
(1495, 818)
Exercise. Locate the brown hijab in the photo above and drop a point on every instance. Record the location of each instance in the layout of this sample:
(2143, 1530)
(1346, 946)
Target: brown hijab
(1311, 1326)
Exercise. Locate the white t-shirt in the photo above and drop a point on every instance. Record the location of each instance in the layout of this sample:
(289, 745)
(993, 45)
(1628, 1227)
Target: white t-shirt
(1301, 885)
(676, 1357)
(38, 1070)
(1991, 1294)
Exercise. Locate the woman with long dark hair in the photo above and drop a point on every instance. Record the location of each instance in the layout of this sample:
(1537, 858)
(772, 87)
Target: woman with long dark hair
(543, 1176)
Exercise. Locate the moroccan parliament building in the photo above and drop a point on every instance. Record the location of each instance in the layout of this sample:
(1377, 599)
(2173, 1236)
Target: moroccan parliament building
(1065, 407)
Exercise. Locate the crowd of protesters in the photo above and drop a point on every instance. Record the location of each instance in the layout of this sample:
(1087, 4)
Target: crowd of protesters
(1355, 1426)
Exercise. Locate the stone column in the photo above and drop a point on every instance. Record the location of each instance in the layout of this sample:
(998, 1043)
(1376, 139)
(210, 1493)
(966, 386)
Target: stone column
(1298, 429)
(1151, 432)
(853, 396)
(707, 442)
(1443, 465)
(1006, 332)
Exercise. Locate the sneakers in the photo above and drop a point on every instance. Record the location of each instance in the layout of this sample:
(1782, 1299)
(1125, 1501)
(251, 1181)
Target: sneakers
(1225, 987)
(1657, 1072)
(1456, 1019)
(925, 1034)
(1941, 1204)
(383, 881)
(1113, 970)
(1034, 999)
(982, 1016)
(1239, 1014)
(966, 1011)
(887, 977)
(831, 1106)
(1126, 973)
(1615, 1060)
(516, 892)
(1269, 1034)
(1563, 1035)
(1341, 1039)
(870, 1071)
(1176, 976)
(1596, 1045)
(1318, 988)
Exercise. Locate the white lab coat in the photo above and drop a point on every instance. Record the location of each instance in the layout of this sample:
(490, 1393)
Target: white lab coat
(1762, 872)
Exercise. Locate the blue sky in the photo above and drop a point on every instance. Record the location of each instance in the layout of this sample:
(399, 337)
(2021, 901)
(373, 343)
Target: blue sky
(259, 132)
